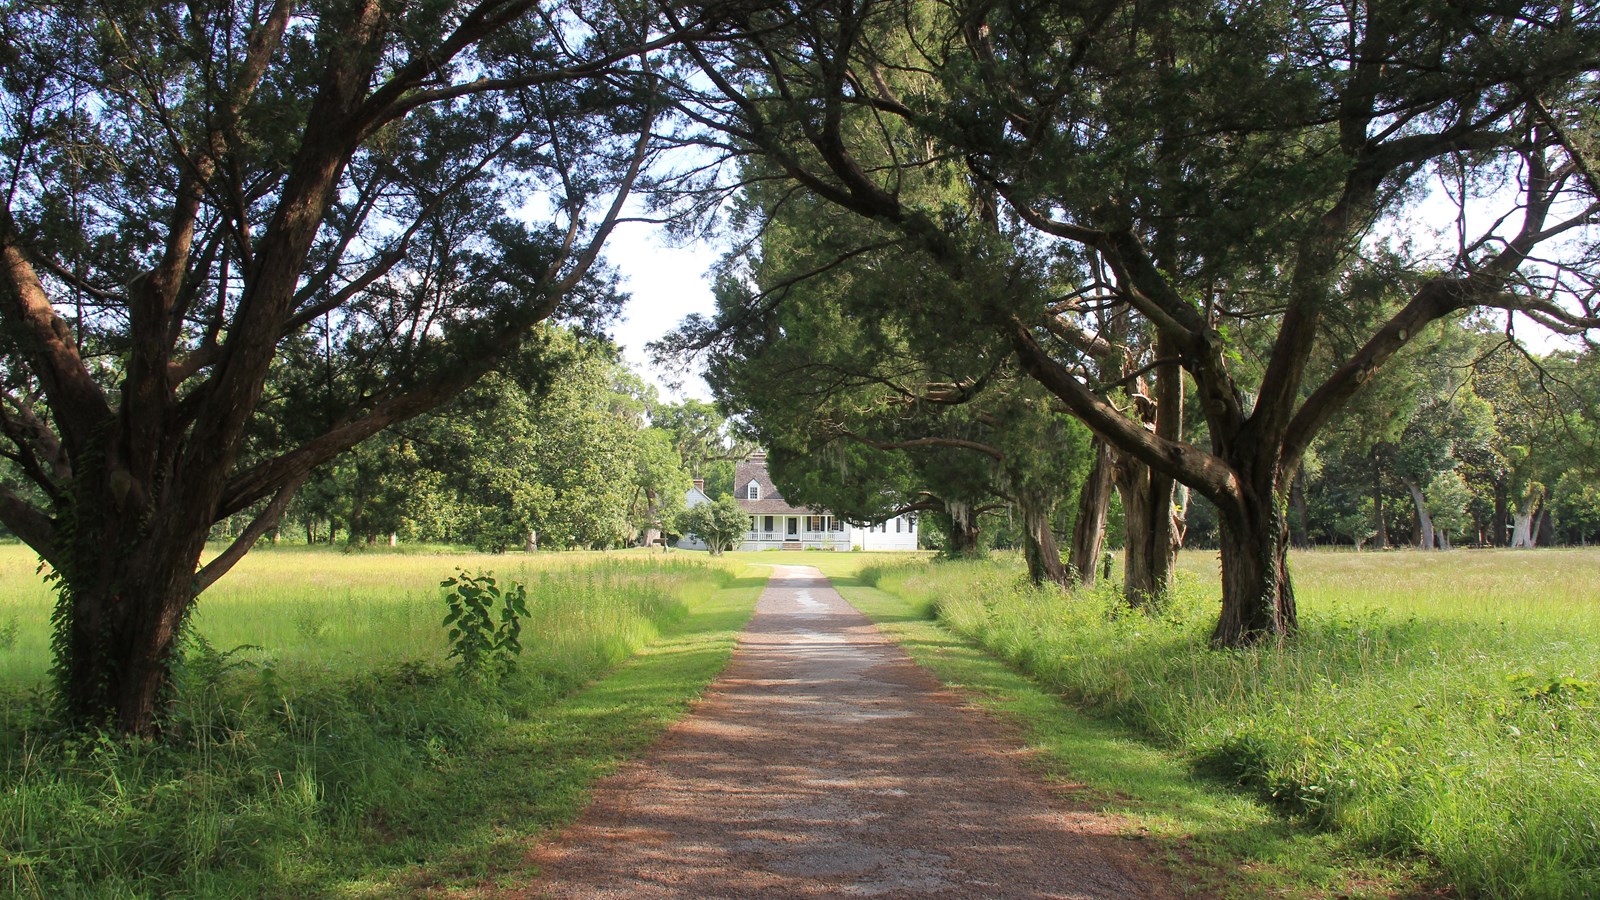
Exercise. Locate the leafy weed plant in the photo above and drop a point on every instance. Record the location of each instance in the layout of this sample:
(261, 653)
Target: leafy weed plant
(479, 643)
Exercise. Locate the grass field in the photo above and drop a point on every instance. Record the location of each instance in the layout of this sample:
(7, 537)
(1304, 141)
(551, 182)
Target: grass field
(1442, 704)
(321, 745)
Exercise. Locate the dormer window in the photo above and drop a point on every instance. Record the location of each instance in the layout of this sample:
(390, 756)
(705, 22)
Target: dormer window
(752, 491)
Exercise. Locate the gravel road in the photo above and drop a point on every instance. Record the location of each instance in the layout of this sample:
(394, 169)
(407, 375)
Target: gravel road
(824, 762)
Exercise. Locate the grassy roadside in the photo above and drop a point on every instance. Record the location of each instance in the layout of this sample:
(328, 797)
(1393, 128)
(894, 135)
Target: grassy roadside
(367, 769)
(1217, 840)
(1437, 705)
(535, 775)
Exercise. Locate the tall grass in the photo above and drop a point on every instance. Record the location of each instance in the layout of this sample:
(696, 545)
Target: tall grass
(1445, 704)
(314, 728)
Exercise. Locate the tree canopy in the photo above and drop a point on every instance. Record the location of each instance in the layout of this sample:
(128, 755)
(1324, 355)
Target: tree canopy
(197, 193)
(1235, 177)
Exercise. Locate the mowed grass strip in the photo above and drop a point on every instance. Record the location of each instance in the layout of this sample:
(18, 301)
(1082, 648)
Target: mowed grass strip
(351, 762)
(1442, 704)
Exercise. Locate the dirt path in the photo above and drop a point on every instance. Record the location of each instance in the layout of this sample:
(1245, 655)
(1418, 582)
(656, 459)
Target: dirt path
(825, 763)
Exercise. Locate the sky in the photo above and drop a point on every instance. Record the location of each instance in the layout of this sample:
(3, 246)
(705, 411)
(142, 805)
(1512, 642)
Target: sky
(666, 283)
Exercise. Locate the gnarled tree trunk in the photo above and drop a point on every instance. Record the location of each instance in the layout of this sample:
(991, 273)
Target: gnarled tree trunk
(963, 530)
(1039, 542)
(1257, 593)
(1089, 531)
(127, 583)
(1151, 530)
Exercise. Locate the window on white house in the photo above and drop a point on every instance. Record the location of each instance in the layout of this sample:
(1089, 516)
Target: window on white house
(896, 526)
(752, 491)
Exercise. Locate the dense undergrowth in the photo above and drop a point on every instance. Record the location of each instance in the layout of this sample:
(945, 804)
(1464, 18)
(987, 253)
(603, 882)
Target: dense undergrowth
(1460, 719)
(282, 773)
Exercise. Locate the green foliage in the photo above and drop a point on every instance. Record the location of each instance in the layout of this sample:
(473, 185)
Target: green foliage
(719, 523)
(552, 453)
(1449, 498)
(700, 437)
(1442, 704)
(350, 765)
(270, 291)
(1577, 505)
(1216, 840)
(485, 624)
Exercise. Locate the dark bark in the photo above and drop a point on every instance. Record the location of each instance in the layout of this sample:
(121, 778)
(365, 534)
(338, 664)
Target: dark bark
(1257, 593)
(125, 601)
(963, 531)
(1089, 530)
(1151, 536)
(1039, 543)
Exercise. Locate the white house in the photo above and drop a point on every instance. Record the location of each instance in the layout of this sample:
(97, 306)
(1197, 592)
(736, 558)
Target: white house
(692, 498)
(774, 524)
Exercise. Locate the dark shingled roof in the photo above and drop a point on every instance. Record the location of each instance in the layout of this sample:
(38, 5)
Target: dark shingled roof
(771, 502)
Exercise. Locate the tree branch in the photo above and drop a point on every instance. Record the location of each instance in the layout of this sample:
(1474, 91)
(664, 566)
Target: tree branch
(75, 399)
(1184, 462)
(268, 517)
(27, 522)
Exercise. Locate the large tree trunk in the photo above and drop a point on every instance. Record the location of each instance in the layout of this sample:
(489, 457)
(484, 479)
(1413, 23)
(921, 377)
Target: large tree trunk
(1089, 531)
(963, 531)
(1521, 531)
(120, 646)
(1151, 544)
(1524, 536)
(1039, 543)
(1257, 594)
(652, 512)
(1425, 532)
(126, 588)
(127, 584)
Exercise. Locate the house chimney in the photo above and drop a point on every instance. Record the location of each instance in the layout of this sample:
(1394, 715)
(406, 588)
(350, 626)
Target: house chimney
(700, 485)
